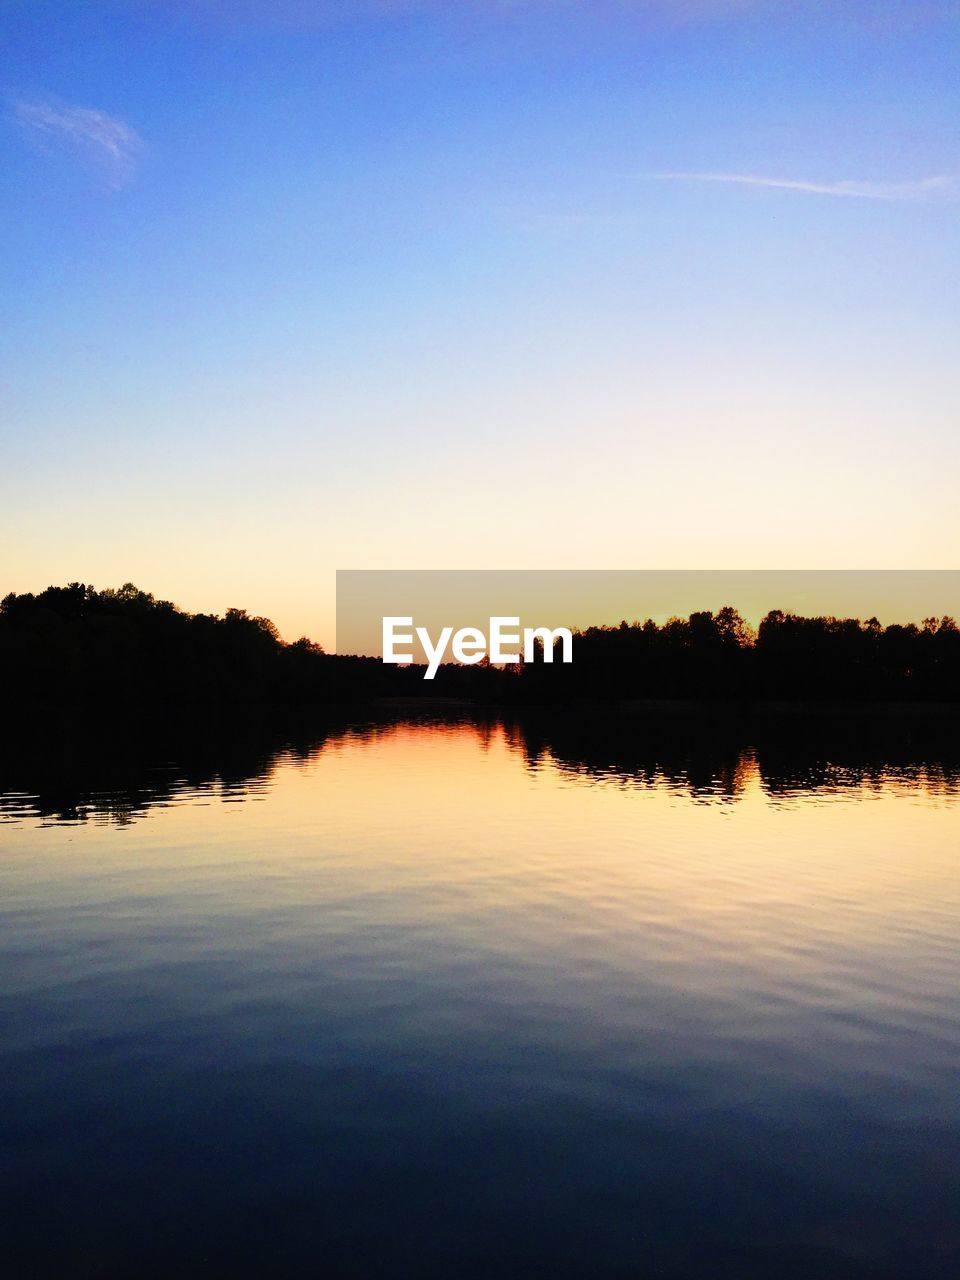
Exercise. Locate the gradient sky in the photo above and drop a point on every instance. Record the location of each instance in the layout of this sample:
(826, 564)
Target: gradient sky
(294, 285)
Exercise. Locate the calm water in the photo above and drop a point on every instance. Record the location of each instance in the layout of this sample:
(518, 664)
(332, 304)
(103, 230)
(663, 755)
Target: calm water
(463, 1000)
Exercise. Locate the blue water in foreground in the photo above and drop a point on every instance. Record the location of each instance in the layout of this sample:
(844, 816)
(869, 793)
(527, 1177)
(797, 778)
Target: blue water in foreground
(426, 1002)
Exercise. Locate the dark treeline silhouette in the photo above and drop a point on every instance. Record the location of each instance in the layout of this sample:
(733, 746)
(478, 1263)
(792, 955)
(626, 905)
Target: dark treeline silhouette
(718, 656)
(75, 644)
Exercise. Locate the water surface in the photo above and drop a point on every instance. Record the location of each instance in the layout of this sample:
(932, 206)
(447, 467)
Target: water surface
(480, 999)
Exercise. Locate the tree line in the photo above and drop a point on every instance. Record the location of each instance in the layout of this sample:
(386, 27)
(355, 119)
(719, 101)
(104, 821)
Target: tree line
(117, 646)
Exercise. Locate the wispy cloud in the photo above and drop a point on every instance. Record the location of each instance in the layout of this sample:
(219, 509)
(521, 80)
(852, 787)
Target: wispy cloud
(942, 187)
(100, 139)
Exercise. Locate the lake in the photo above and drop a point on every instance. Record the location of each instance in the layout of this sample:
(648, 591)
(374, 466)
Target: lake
(459, 997)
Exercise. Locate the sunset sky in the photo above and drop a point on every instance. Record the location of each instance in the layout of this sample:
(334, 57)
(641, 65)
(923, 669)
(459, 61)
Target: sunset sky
(292, 286)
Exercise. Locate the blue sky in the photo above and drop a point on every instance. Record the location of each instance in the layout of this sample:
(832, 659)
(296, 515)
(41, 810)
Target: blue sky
(296, 286)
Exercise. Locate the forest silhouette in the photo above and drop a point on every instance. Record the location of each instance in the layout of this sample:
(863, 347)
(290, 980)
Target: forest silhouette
(77, 645)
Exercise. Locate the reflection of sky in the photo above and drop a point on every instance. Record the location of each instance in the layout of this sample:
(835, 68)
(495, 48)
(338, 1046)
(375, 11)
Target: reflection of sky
(283, 295)
(443, 821)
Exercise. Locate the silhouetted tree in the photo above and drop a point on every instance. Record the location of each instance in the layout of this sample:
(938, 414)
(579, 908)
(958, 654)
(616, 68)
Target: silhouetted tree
(76, 644)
